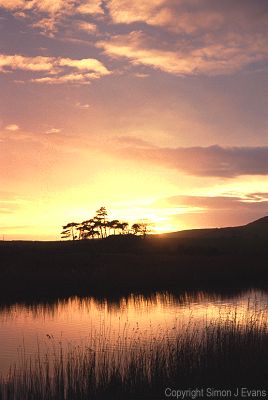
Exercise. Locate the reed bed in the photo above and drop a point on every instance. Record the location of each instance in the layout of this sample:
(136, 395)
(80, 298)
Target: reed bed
(227, 352)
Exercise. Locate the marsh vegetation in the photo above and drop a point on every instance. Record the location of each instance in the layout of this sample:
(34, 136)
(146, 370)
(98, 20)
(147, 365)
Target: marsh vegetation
(229, 350)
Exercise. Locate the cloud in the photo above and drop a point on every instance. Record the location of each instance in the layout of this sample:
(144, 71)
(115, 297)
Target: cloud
(187, 58)
(53, 130)
(132, 141)
(180, 16)
(127, 11)
(212, 161)
(212, 211)
(82, 106)
(227, 202)
(46, 15)
(85, 64)
(12, 4)
(190, 37)
(12, 127)
(178, 37)
(190, 16)
(54, 7)
(13, 62)
(10, 202)
(48, 26)
(164, 13)
(59, 70)
(90, 7)
(51, 6)
(67, 78)
(86, 26)
(186, 22)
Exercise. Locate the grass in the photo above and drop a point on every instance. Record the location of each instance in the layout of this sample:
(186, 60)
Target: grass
(228, 352)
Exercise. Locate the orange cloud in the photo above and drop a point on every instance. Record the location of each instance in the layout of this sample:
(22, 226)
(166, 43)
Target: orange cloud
(165, 13)
(12, 4)
(54, 6)
(13, 62)
(86, 26)
(68, 78)
(127, 11)
(53, 130)
(48, 13)
(85, 64)
(187, 22)
(190, 16)
(90, 7)
(46, 25)
(12, 127)
(60, 70)
(184, 58)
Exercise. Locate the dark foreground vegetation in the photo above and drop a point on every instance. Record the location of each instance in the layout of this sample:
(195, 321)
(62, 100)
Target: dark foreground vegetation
(122, 264)
(226, 354)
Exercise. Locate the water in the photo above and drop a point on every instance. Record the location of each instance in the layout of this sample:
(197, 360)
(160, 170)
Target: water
(26, 330)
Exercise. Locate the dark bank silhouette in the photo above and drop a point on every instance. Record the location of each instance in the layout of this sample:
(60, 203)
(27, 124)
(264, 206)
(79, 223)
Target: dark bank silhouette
(125, 263)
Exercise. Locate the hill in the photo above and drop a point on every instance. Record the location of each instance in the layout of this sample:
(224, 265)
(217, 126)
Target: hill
(258, 228)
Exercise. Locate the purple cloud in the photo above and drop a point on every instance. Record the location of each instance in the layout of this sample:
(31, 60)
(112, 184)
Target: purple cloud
(214, 161)
(219, 211)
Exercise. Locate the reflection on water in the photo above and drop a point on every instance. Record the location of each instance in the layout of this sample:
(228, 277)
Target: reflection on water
(78, 321)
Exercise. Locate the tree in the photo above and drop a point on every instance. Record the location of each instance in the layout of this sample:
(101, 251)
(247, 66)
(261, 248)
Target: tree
(141, 228)
(98, 226)
(123, 227)
(145, 228)
(136, 228)
(87, 229)
(69, 231)
(114, 224)
(101, 221)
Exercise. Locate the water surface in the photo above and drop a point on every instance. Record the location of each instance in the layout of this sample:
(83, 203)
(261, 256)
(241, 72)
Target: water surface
(28, 329)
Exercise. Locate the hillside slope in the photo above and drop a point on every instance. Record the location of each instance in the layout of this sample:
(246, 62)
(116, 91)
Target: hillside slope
(256, 228)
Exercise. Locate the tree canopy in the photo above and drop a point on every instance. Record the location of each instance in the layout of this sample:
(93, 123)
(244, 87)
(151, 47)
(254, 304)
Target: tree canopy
(99, 226)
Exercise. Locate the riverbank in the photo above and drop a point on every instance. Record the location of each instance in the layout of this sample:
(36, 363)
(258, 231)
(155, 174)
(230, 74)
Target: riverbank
(119, 266)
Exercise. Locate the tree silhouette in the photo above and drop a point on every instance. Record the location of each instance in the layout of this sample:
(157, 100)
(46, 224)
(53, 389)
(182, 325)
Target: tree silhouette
(101, 221)
(123, 227)
(114, 224)
(136, 228)
(99, 225)
(141, 228)
(145, 228)
(69, 231)
(88, 229)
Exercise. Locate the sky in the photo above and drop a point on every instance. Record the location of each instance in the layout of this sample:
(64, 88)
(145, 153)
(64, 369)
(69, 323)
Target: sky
(156, 109)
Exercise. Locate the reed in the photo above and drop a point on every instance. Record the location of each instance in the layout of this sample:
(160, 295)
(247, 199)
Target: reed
(226, 352)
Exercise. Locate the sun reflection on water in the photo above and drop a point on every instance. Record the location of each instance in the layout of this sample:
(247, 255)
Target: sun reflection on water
(116, 324)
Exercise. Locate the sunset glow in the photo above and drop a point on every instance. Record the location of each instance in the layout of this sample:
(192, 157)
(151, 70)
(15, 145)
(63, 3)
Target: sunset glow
(155, 109)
